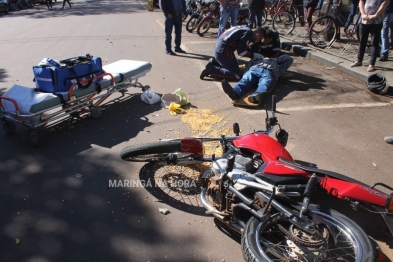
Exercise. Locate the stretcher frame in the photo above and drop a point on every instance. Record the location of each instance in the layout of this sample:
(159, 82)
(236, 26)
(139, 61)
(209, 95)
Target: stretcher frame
(75, 106)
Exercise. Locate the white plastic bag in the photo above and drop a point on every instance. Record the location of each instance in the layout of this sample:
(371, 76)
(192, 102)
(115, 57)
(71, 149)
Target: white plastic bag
(150, 97)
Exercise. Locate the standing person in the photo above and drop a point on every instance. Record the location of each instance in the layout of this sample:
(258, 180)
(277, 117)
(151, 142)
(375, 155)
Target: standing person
(49, 4)
(373, 13)
(310, 6)
(385, 32)
(264, 73)
(237, 38)
(64, 1)
(352, 11)
(173, 11)
(228, 9)
(255, 10)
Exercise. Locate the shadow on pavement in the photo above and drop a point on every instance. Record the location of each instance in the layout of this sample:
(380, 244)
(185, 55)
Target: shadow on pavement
(166, 185)
(63, 210)
(122, 120)
(82, 8)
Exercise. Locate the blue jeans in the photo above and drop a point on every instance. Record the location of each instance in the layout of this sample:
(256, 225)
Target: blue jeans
(262, 77)
(352, 12)
(252, 13)
(385, 34)
(225, 13)
(175, 21)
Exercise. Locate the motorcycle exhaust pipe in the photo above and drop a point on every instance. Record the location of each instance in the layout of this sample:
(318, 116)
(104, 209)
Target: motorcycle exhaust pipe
(210, 209)
(213, 211)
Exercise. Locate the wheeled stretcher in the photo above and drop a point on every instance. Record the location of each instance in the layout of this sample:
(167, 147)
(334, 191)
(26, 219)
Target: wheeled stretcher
(24, 106)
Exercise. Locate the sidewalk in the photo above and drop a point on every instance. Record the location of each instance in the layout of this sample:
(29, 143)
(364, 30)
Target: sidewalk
(340, 55)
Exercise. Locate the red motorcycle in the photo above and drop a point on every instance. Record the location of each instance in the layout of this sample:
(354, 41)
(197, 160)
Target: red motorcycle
(257, 189)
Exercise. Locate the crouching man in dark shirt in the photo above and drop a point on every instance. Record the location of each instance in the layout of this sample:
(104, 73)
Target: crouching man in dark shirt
(237, 38)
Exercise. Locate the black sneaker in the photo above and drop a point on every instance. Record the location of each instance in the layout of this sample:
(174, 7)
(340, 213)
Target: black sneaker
(179, 50)
(228, 90)
(257, 98)
(205, 72)
(383, 58)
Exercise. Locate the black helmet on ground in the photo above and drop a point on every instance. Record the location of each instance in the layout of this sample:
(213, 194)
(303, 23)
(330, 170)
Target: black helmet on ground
(376, 82)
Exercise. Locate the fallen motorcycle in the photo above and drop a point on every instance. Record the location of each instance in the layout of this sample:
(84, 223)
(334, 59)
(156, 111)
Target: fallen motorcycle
(257, 189)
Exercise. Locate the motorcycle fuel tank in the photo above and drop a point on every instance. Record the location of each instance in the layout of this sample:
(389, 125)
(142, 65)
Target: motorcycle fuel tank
(270, 151)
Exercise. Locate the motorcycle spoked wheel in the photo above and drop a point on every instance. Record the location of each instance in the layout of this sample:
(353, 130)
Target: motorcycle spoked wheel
(178, 183)
(204, 26)
(192, 24)
(278, 240)
(152, 152)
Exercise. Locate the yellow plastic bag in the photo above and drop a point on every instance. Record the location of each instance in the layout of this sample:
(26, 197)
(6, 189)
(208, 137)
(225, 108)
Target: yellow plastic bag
(175, 109)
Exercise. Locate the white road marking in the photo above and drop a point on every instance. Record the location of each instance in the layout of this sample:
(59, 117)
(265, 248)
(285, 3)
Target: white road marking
(344, 105)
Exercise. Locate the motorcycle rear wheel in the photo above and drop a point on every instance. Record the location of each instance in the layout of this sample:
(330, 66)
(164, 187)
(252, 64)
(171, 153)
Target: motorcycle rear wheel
(266, 241)
(204, 26)
(152, 152)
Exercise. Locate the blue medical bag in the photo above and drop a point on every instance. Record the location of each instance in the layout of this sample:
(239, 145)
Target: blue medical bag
(74, 70)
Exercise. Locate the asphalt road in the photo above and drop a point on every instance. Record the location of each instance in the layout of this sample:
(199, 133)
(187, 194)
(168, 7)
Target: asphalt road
(56, 203)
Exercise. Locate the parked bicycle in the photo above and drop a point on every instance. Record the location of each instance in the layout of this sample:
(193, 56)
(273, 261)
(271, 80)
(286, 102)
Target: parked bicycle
(325, 30)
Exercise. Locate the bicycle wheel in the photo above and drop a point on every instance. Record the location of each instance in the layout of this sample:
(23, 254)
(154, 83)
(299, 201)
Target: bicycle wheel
(323, 32)
(288, 7)
(284, 22)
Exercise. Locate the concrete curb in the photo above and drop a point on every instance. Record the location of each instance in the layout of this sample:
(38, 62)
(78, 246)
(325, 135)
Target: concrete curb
(341, 64)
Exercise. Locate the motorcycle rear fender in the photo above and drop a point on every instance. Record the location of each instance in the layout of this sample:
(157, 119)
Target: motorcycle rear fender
(193, 146)
(353, 191)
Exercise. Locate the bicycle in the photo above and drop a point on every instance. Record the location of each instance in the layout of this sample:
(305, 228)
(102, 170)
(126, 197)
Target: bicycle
(273, 7)
(284, 22)
(325, 30)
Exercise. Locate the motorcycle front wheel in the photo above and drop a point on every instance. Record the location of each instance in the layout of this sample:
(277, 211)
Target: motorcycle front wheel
(204, 26)
(340, 239)
(192, 23)
(152, 152)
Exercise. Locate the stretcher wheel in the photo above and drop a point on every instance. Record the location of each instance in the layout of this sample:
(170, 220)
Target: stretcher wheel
(9, 127)
(34, 138)
(95, 112)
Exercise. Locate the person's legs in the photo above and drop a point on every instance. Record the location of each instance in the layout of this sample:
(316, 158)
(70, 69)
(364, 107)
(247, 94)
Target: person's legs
(300, 10)
(385, 37)
(310, 11)
(363, 34)
(375, 30)
(233, 13)
(251, 16)
(230, 68)
(259, 12)
(169, 22)
(224, 15)
(352, 12)
(178, 27)
(391, 34)
(266, 82)
(69, 3)
(248, 81)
